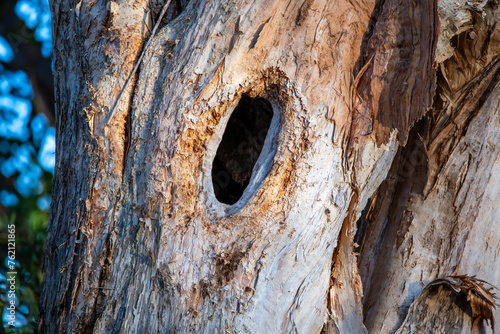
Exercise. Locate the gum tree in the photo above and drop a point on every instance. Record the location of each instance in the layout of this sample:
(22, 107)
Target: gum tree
(274, 166)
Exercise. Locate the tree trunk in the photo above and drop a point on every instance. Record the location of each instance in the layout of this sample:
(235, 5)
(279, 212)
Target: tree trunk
(274, 167)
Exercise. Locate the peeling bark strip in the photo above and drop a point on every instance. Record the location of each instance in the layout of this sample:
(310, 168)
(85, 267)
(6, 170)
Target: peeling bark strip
(344, 304)
(160, 18)
(443, 302)
(138, 241)
(398, 86)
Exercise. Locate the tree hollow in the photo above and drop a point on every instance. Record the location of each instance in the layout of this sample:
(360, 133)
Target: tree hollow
(240, 148)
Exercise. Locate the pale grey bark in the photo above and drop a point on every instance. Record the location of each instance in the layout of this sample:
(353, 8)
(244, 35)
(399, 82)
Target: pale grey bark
(362, 93)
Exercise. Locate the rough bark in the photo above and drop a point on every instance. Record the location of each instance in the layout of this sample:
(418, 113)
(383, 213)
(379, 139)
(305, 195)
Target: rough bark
(361, 92)
(436, 214)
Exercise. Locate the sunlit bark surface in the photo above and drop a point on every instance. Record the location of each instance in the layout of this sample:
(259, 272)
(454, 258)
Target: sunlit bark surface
(374, 174)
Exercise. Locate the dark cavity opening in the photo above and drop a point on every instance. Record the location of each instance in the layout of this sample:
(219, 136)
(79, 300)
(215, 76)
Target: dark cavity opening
(240, 148)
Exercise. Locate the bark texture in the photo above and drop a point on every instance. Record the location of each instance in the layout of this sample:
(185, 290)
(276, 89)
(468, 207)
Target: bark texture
(376, 177)
(437, 212)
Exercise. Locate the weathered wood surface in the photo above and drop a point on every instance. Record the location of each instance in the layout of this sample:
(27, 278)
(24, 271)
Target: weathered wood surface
(138, 242)
(437, 213)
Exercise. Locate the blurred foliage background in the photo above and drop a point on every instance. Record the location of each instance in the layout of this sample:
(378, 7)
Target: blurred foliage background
(27, 142)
